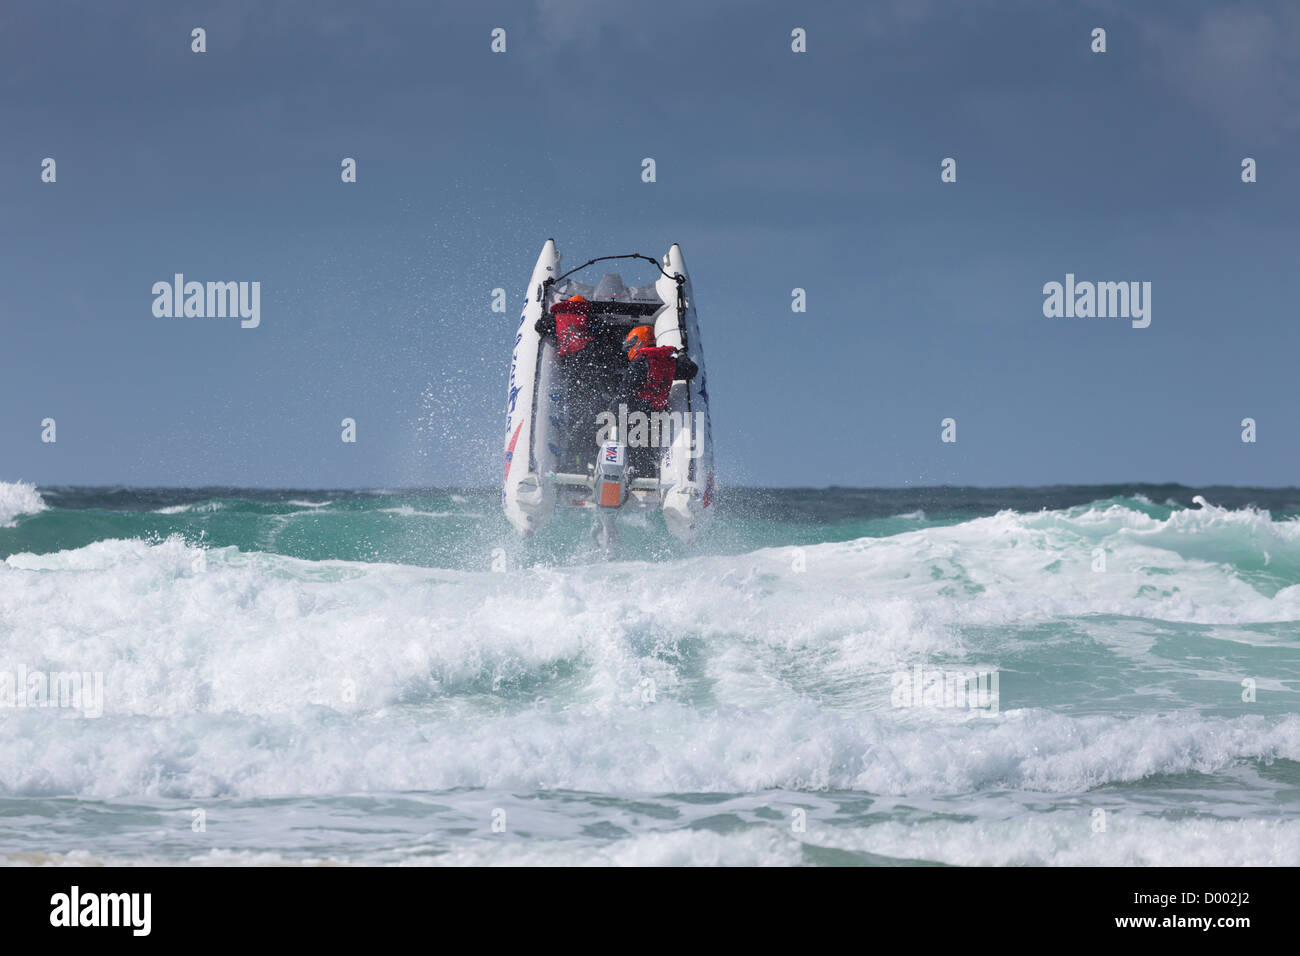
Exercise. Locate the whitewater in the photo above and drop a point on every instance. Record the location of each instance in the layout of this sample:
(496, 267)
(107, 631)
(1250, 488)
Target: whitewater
(390, 677)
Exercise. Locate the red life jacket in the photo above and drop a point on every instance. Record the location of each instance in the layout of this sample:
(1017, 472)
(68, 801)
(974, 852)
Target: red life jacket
(661, 367)
(571, 334)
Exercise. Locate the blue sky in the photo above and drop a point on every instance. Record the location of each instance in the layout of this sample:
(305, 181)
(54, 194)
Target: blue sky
(775, 170)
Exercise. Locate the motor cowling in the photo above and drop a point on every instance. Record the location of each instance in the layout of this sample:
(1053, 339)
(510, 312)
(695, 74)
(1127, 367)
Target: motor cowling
(610, 483)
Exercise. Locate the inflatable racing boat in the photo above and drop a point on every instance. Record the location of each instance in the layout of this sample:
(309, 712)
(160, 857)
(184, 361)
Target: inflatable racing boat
(581, 430)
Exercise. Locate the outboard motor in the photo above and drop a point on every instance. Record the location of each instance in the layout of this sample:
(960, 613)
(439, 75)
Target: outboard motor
(609, 490)
(611, 475)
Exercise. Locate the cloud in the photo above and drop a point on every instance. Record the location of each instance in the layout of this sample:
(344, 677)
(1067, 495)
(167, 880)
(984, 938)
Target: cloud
(1241, 66)
(584, 23)
(576, 21)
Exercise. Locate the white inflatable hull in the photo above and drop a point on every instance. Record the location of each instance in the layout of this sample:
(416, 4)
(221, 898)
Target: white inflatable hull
(686, 465)
(529, 498)
(684, 490)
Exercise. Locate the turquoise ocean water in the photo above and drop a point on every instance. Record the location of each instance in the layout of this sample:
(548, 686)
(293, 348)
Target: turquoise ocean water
(1074, 675)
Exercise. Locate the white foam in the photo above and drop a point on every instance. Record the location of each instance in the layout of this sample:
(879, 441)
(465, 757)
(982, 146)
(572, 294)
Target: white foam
(1073, 839)
(1063, 838)
(191, 507)
(255, 674)
(18, 498)
(760, 847)
(409, 511)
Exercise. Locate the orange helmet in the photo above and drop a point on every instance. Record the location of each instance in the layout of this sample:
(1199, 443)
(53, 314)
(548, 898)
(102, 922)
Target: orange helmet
(642, 337)
(577, 298)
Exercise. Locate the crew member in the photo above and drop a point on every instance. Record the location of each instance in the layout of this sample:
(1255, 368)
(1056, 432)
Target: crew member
(647, 384)
(652, 369)
(568, 322)
(586, 354)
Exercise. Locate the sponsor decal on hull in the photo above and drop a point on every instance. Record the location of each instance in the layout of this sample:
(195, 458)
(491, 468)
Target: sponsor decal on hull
(510, 451)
